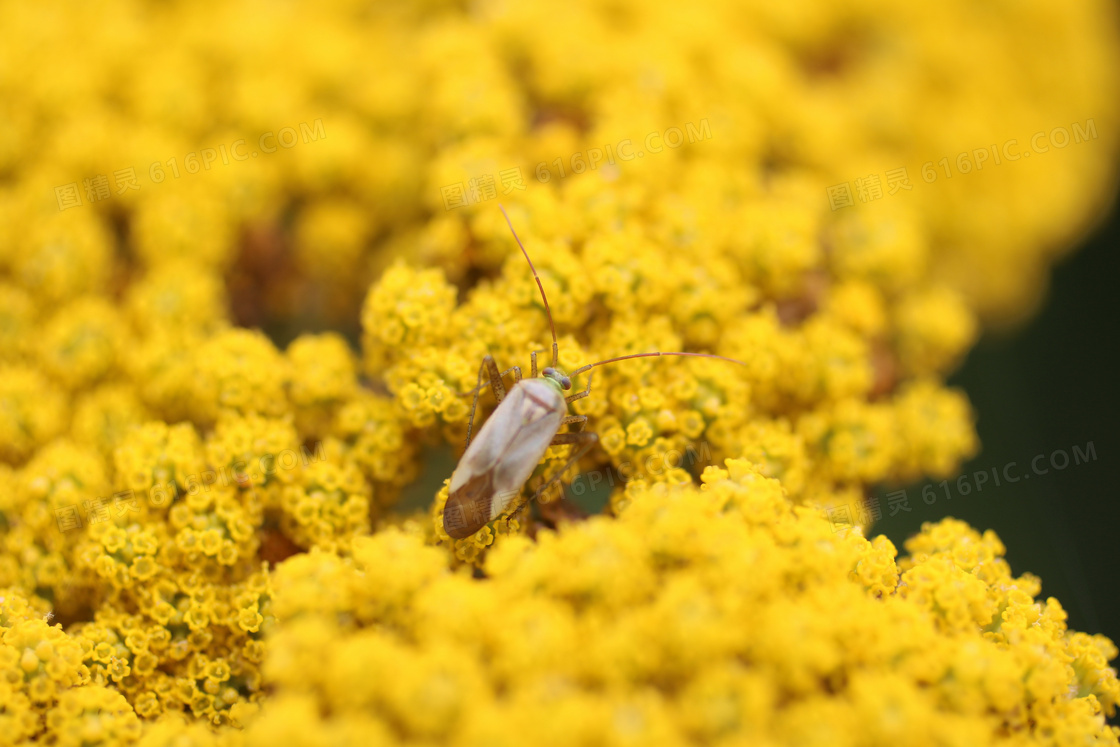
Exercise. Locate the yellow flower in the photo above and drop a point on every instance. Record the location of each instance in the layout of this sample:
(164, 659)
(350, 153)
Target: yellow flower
(934, 329)
(248, 284)
(241, 371)
(176, 293)
(92, 714)
(32, 411)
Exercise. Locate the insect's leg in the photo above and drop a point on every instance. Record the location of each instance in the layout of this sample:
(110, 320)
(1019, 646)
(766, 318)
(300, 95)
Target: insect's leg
(474, 404)
(512, 513)
(499, 389)
(555, 358)
(533, 360)
(483, 384)
(495, 378)
(585, 442)
(580, 421)
(579, 395)
(572, 419)
(490, 367)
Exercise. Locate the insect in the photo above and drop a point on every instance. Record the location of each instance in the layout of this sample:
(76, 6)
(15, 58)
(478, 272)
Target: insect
(499, 460)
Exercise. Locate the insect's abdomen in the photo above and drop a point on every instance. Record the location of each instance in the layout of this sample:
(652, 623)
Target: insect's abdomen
(503, 455)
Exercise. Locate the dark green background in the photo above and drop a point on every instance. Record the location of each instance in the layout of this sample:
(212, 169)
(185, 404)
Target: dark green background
(1048, 386)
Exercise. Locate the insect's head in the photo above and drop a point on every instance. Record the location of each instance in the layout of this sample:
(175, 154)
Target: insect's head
(557, 377)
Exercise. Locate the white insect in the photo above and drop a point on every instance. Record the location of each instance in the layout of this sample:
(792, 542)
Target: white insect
(497, 463)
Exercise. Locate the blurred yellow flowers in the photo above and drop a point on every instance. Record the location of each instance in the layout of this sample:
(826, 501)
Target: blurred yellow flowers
(749, 179)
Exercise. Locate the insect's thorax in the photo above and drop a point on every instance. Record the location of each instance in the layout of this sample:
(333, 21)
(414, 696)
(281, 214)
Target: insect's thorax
(543, 399)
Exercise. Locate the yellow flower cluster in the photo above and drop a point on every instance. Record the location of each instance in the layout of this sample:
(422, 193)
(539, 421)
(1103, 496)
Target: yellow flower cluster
(711, 615)
(198, 536)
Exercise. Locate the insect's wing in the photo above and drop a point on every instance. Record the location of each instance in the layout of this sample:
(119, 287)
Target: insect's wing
(507, 449)
(524, 452)
(492, 440)
(468, 509)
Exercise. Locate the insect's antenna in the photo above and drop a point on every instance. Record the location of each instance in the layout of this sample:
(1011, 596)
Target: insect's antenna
(578, 371)
(547, 310)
